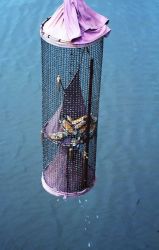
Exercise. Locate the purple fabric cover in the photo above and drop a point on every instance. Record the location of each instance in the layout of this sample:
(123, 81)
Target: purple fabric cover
(74, 21)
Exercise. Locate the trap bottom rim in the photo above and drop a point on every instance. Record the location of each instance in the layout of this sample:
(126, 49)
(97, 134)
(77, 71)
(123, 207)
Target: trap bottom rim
(55, 192)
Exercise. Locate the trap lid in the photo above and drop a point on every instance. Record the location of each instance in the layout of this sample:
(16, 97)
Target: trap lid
(74, 24)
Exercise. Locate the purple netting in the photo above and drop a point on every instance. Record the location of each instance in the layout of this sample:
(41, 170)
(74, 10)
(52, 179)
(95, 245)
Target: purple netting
(66, 175)
(73, 103)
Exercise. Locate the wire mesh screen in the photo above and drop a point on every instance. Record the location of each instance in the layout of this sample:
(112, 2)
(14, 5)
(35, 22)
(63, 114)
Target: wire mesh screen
(70, 101)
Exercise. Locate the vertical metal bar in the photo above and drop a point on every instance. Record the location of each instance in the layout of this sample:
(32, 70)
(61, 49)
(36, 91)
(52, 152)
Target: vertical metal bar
(88, 120)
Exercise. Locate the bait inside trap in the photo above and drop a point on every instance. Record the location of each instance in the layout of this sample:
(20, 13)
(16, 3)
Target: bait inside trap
(71, 76)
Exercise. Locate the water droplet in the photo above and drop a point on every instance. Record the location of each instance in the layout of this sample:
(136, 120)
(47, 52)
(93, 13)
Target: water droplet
(86, 200)
(79, 201)
(89, 244)
(97, 216)
(57, 200)
(85, 229)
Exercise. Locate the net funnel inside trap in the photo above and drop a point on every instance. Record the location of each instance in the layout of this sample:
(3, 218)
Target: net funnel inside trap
(71, 77)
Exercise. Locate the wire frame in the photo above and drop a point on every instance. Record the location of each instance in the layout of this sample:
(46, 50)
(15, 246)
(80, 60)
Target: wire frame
(71, 80)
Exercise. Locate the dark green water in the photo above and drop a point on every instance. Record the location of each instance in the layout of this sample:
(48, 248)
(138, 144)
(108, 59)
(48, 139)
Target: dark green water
(122, 211)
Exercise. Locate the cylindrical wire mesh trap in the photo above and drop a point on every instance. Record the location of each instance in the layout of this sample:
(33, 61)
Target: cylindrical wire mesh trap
(70, 100)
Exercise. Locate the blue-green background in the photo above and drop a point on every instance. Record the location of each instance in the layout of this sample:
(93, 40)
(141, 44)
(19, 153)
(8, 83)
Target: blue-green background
(122, 211)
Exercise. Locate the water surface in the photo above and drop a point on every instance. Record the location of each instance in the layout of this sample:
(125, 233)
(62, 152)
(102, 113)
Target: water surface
(122, 211)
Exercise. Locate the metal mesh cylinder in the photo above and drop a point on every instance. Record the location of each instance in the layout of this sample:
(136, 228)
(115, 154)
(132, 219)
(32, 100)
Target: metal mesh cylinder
(70, 100)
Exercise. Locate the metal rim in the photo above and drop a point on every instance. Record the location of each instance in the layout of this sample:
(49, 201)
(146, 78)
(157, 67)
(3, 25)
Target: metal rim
(55, 192)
